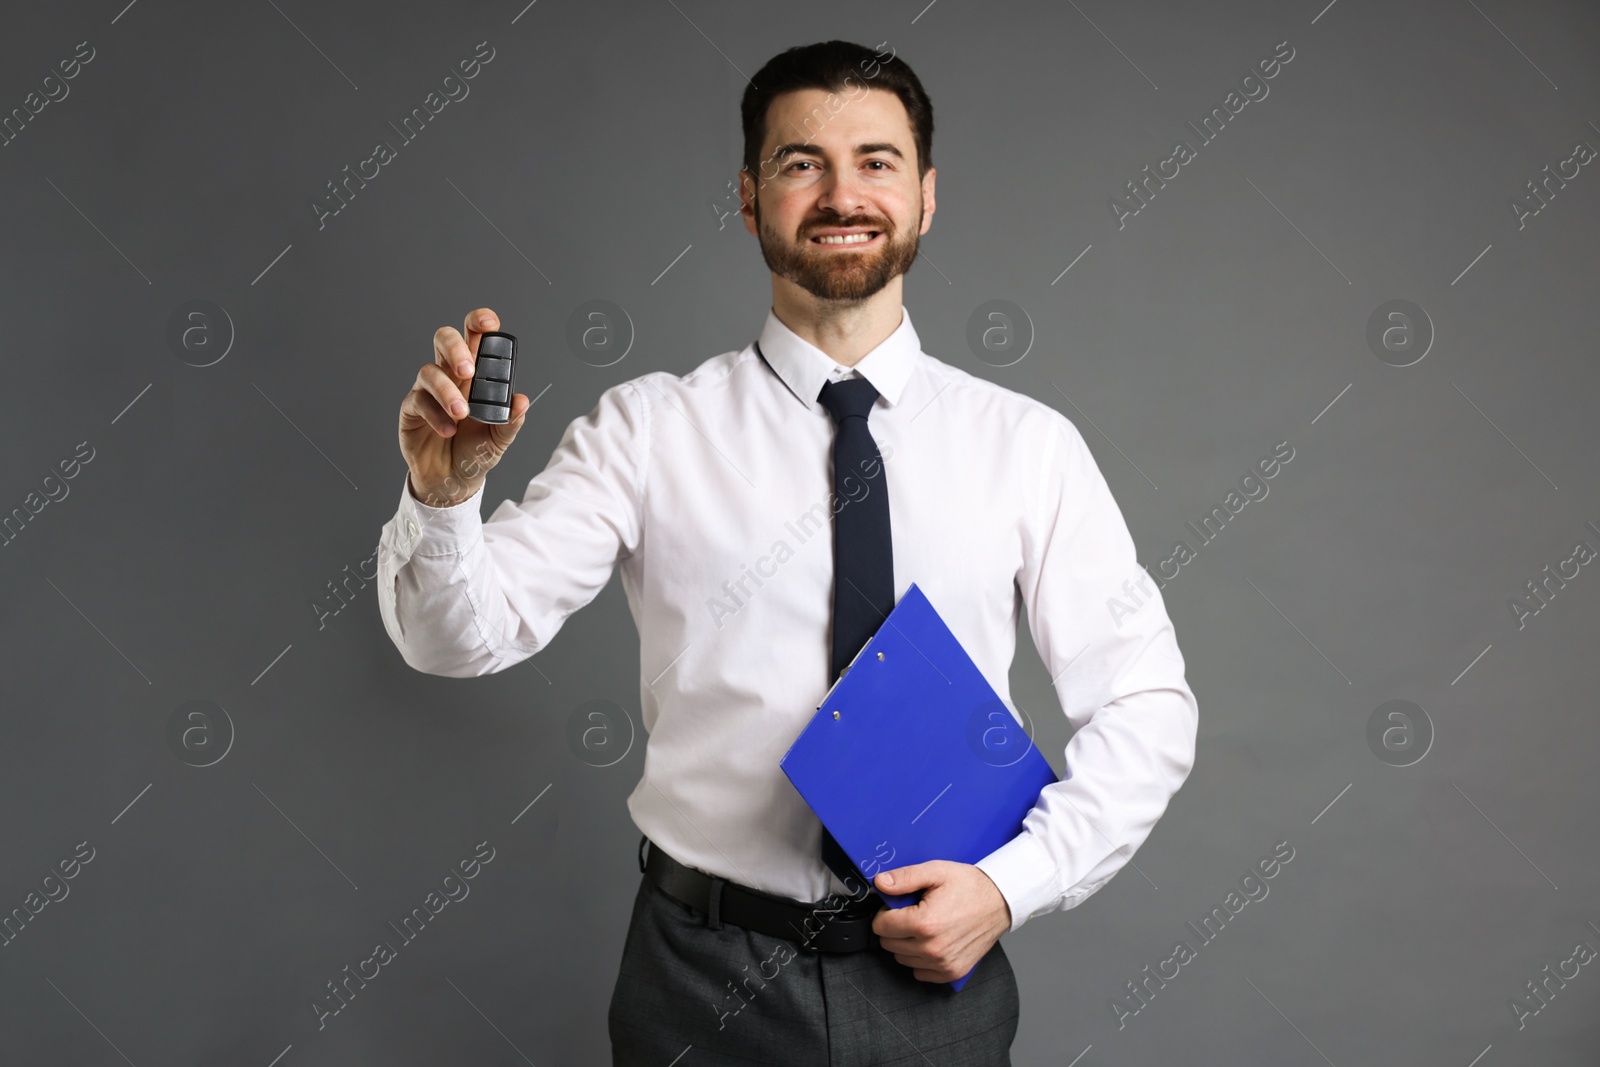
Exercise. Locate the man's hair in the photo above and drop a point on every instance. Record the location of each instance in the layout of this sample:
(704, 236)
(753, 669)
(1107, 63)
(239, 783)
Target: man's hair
(841, 67)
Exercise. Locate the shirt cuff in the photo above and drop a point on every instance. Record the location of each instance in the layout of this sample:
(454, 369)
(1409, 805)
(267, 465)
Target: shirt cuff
(433, 531)
(1025, 875)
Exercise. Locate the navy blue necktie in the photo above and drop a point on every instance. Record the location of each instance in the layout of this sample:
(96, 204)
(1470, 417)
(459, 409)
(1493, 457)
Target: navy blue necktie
(863, 555)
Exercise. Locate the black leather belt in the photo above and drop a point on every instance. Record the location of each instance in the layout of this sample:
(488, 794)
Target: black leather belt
(834, 924)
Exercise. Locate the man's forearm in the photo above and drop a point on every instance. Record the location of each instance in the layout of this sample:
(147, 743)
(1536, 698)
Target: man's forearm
(437, 594)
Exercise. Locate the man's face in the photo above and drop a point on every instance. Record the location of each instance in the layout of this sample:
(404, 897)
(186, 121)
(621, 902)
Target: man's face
(835, 164)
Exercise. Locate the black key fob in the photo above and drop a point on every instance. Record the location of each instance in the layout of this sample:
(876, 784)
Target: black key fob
(490, 397)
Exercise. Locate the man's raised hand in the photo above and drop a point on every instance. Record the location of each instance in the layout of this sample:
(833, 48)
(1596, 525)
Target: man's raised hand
(448, 453)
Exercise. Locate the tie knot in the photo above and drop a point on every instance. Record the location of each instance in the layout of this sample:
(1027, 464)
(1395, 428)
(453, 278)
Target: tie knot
(848, 397)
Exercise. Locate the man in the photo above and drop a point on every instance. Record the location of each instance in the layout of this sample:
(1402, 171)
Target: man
(735, 498)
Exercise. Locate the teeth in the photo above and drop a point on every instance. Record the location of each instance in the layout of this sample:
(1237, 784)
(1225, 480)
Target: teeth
(847, 239)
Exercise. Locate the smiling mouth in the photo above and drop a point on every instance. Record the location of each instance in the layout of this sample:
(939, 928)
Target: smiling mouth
(851, 240)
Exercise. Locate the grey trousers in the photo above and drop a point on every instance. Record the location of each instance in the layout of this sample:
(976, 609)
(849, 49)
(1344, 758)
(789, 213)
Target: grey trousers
(689, 994)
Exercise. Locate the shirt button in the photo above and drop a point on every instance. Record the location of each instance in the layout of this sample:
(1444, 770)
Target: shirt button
(411, 527)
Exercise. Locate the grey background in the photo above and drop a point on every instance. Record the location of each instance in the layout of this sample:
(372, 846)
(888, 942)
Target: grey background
(1229, 315)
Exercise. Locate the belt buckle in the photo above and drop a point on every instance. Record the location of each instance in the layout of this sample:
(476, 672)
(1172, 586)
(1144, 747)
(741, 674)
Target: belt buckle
(836, 906)
(801, 942)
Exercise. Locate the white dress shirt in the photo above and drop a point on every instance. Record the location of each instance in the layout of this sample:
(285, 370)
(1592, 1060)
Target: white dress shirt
(714, 492)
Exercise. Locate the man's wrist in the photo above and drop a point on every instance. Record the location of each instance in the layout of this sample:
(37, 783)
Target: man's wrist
(1004, 909)
(447, 496)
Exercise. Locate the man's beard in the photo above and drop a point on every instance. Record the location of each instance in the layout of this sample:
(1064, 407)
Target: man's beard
(842, 276)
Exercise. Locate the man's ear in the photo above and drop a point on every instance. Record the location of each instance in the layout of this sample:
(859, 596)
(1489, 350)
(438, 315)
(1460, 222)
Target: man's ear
(747, 200)
(928, 204)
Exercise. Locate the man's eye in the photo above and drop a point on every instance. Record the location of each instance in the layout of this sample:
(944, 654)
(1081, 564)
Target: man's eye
(878, 161)
(802, 163)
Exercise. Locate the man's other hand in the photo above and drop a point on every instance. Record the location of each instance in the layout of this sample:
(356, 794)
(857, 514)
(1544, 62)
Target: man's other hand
(944, 935)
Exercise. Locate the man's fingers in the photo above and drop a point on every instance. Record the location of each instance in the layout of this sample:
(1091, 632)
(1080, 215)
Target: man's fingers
(474, 326)
(421, 405)
(503, 433)
(901, 946)
(452, 353)
(519, 407)
(433, 380)
(903, 922)
(456, 351)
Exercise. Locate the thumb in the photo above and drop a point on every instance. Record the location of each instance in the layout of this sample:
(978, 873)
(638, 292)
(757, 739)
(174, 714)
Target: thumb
(911, 877)
(504, 433)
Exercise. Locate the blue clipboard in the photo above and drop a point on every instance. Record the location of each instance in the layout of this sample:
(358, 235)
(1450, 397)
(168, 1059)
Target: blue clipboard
(912, 756)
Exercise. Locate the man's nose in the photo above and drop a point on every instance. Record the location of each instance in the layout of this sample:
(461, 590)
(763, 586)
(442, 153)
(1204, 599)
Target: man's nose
(841, 194)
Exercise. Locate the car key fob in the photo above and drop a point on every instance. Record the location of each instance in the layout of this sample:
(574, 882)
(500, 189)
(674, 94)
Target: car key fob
(489, 400)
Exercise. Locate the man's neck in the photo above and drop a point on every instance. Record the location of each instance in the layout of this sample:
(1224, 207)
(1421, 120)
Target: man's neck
(846, 332)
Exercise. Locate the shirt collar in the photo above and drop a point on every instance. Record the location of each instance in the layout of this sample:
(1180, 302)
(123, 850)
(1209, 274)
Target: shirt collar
(804, 367)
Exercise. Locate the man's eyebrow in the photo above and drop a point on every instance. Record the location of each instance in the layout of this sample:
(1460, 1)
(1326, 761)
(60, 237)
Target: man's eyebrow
(806, 148)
